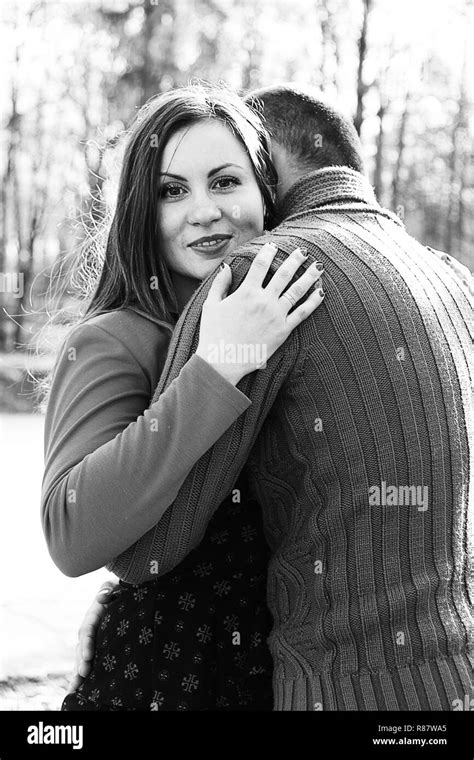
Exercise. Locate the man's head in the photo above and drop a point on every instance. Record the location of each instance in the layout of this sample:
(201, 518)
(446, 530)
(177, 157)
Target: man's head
(307, 133)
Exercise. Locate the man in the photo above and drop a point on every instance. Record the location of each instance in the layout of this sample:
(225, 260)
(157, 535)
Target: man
(356, 445)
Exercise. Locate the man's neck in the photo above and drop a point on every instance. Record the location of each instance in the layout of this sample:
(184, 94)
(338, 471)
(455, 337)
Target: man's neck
(327, 186)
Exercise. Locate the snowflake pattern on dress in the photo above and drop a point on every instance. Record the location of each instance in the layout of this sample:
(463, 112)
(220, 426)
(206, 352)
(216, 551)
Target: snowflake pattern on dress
(131, 671)
(95, 694)
(109, 662)
(222, 588)
(145, 636)
(187, 601)
(105, 621)
(123, 627)
(171, 645)
(171, 650)
(190, 682)
(203, 569)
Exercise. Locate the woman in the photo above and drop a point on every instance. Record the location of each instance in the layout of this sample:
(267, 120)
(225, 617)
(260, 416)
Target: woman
(196, 182)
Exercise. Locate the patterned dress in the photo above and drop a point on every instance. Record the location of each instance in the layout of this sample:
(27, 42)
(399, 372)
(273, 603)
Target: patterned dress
(196, 638)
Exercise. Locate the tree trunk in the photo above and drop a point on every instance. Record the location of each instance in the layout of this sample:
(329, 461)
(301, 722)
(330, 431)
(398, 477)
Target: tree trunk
(456, 169)
(465, 184)
(34, 215)
(5, 224)
(361, 85)
(396, 180)
(378, 181)
(253, 46)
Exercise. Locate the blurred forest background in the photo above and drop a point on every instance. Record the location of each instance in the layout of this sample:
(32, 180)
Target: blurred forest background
(74, 74)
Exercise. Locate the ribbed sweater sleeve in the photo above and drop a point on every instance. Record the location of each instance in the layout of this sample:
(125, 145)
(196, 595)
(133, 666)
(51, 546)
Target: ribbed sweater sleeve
(113, 462)
(213, 477)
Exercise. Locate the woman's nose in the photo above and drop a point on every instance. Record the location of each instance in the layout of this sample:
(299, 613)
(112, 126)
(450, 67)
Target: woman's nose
(204, 210)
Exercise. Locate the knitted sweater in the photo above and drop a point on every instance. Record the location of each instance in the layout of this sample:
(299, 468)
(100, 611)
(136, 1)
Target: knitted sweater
(357, 444)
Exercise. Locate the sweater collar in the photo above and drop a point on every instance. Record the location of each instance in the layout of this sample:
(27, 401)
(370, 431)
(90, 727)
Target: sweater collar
(322, 187)
(184, 288)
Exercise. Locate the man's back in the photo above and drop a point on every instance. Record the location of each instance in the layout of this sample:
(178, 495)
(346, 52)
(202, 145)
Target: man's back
(357, 444)
(362, 469)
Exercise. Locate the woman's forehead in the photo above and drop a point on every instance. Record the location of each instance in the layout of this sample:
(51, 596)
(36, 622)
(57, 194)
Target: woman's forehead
(195, 147)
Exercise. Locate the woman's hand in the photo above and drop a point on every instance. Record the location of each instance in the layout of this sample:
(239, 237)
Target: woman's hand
(240, 332)
(85, 647)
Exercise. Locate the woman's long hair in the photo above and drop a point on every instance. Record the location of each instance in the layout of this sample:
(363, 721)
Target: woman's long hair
(133, 256)
(134, 248)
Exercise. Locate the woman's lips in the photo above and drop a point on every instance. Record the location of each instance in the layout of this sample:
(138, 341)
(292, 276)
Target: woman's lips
(211, 248)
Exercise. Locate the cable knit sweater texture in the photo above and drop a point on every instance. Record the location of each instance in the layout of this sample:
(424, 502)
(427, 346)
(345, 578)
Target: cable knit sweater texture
(357, 443)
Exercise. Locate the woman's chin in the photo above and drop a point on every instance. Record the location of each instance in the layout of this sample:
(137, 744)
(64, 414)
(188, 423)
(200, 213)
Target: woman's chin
(200, 268)
(207, 267)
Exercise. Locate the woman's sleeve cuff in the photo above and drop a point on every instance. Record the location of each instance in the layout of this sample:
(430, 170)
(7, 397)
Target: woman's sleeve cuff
(238, 400)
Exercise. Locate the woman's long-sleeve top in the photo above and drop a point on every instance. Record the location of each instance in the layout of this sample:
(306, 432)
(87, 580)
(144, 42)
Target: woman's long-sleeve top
(114, 462)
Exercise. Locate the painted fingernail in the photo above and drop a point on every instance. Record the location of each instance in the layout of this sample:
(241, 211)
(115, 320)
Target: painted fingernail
(321, 292)
(319, 266)
(304, 252)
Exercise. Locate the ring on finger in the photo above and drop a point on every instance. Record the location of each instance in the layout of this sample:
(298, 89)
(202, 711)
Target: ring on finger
(289, 298)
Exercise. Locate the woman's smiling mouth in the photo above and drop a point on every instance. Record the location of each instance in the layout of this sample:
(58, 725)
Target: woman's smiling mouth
(210, 244)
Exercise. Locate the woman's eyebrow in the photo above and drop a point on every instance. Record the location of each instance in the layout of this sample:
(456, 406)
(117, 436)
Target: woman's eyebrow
(224, 166)
(213, 171)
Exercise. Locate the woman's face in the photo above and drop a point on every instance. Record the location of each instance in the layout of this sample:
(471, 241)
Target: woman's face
(210, 201)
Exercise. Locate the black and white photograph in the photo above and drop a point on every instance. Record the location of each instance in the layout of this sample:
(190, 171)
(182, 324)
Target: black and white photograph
(236, 367)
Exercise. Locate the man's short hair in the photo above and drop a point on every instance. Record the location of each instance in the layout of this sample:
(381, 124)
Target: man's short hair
(314, 133)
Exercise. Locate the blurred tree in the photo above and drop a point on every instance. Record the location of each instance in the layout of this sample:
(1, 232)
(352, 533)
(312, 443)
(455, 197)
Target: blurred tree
(252, 44)
(400, 149)
(12, 132)
(362, 86)
(380, 149)
(456, 166)
(25, 194)
(76, 72)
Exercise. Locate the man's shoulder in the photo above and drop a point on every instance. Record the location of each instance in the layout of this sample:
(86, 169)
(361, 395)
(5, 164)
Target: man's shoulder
(248, 250)
(287, 235)
(286, 239)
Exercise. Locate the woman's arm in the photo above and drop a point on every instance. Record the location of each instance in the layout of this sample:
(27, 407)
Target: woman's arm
(113, 462)
(213, 477)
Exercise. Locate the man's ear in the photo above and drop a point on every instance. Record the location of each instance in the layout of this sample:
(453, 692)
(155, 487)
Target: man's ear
(278, 155)
(286, 169)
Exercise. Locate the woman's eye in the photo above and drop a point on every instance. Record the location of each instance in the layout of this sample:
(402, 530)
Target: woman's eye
(171, 190)
(226, 183)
